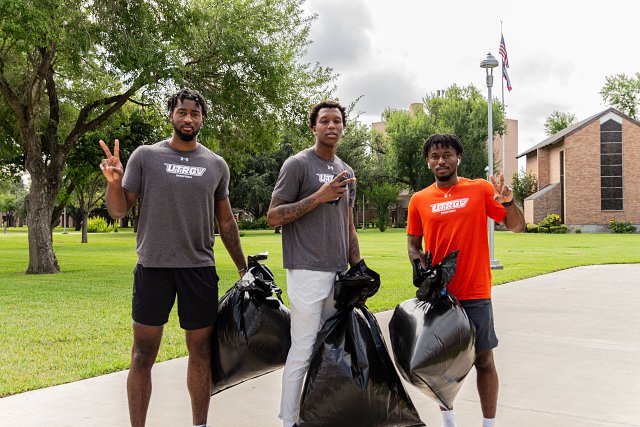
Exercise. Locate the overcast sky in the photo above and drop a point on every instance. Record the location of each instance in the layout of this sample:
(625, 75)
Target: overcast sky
(394, 52)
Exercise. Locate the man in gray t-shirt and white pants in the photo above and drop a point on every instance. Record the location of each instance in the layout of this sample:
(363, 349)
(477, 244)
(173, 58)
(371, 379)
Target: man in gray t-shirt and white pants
(313, 201)
(183, 187)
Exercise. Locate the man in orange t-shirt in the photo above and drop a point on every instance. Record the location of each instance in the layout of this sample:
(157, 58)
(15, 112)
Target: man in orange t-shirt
(452, 214)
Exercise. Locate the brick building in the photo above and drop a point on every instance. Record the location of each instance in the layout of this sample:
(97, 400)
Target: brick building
(588, 173)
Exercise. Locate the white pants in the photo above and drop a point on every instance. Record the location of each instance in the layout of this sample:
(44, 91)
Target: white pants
(311, 304)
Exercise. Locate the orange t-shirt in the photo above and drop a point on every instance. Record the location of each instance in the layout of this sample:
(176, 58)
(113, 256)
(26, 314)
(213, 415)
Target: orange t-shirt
(458, 222)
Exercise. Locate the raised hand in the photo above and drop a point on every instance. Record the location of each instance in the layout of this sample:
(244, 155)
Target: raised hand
(502, 193)
(334, 189)
(111, 167)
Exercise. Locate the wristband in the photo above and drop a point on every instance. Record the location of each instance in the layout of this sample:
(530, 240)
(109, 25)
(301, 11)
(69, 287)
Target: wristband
(242, 270)
(509, 203)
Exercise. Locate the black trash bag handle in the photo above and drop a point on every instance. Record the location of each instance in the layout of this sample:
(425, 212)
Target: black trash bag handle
(355, 286)
(432, 282)
(259, 278)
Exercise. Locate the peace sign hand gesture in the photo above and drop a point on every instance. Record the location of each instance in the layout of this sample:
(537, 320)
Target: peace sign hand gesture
(502, 193)
(111, 167)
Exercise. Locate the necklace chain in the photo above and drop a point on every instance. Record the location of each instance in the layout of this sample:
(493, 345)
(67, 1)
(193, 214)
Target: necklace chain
(446, 193)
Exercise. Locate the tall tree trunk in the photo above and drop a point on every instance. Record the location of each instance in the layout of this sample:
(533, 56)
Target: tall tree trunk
(42, 259)
(85, 221)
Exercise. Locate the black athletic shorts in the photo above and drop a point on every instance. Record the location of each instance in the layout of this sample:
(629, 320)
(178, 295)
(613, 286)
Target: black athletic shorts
(480, 312)
(155, 290)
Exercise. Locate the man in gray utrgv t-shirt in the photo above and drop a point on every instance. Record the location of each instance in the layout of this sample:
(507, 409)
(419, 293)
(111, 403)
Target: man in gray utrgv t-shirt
(313, 200)
(183, 187)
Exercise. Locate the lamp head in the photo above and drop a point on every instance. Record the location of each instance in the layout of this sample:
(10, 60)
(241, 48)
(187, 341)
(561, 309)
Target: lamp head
(489, 62)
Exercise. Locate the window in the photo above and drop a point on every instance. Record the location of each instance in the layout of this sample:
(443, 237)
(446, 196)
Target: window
(611, 194)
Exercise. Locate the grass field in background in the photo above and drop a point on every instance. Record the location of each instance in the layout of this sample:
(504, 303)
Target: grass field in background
(77, 324)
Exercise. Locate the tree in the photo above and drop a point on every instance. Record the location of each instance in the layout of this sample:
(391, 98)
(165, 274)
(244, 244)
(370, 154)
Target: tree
(382, 196)
(406, 133)
(461, 110)
(558, 121)
(12, 193)
(464, 111)
(67, 66)
(523, 185)
(623, 93)
(8, 207)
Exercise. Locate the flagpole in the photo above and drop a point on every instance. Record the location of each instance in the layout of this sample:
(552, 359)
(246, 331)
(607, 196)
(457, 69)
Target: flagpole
(504, 119)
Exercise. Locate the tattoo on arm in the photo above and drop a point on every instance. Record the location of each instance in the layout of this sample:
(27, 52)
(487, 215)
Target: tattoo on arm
(231, 239)
(293, 211)
(354, 249)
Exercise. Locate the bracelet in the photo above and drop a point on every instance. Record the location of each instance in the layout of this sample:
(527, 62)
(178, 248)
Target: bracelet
(242, 270)
(509, 203)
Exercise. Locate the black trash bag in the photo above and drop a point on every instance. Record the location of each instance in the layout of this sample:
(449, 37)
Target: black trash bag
(432, 338)
(351, 379)
(253, 329)
(355, 286)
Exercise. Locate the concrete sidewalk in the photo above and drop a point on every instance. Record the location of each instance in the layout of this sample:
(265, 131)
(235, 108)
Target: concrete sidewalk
(569, 356)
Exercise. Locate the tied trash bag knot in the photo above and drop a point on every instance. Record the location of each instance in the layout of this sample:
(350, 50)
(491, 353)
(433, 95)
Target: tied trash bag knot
(258, 280)
(432, 282)
(355, 286)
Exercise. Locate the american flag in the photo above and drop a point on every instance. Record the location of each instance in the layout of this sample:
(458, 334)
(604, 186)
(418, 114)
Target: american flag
(505, 62)
(503, 52)
(505, 76)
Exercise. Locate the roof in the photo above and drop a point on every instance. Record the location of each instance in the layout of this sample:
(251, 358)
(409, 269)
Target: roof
(559, 136)
(543, 191)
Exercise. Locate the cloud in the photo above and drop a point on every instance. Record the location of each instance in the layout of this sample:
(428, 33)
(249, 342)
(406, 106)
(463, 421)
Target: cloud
(341, 34)
(379, 88)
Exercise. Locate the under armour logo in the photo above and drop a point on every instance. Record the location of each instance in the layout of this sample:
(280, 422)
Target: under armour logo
(184, 159)
(330, 167)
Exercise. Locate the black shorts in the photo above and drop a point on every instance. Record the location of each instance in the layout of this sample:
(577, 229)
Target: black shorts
(480, 312)
(155, 290)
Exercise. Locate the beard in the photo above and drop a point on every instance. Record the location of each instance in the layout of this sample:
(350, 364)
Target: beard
(186, 136)
(443, 178)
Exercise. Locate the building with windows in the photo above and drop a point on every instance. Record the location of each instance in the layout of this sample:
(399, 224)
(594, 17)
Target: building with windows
(588, 173)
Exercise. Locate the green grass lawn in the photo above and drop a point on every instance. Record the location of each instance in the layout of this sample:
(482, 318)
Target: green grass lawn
(73, 325)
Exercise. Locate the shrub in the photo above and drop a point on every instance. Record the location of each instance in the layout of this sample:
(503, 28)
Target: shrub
(558, 229)
(532, 228)
(98, 225)
(621, 226)
(257, 224)
(550, 220)
(523, 185)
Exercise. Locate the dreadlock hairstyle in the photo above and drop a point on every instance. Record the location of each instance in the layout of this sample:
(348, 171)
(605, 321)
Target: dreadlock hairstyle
(185, 93)
(442, 140)
(313, 116)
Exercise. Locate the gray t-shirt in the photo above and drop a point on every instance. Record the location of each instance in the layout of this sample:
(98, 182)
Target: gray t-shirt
(320, 239)
(178, 190)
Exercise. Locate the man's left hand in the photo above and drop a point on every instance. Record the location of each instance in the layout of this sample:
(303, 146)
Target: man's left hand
(502, 193)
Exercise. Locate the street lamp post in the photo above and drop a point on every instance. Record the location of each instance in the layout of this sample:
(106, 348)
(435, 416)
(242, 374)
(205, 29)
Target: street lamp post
(489, 63)
(64, 221)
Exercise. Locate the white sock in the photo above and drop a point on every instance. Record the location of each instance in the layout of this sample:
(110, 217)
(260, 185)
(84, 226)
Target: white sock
(288, 423)
(488, 422)
(448, 419)
(201, 425)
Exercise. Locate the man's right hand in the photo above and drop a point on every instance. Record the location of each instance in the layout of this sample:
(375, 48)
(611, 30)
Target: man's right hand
(334, 189)
(111, 167)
